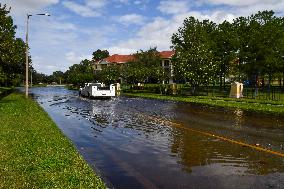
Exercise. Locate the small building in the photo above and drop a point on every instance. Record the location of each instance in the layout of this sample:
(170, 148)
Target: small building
(122, 59)
(113, 59)
(167, 64)
(236, 90)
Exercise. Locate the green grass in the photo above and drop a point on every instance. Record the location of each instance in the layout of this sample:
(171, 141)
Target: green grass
(262, 106)
(39, 85)
(72, 87)
(33, 151)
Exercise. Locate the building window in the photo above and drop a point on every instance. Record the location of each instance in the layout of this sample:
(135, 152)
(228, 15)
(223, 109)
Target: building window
(166, 63)
(167, 71)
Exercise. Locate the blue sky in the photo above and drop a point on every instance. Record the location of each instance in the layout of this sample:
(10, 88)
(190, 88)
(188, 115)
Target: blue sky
(79, 27)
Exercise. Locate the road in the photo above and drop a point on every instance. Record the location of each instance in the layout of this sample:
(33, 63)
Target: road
(143, 143)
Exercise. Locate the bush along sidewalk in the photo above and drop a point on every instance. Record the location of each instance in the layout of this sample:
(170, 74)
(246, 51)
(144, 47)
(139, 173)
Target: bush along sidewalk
(4, 91)
(33, 151)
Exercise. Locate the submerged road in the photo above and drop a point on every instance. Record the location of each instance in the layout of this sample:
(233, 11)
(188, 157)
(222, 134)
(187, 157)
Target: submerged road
(142, 143)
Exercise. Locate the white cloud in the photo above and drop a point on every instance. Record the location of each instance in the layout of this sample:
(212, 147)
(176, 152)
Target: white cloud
(131, 19)
(22, 7)
(96, 3)
(54, 24)
(123, 1)
(58, 44)
(248, 7)
(120, 50)
(156, 33)
(216, 16)
(277, 7)
(82, 10)
(220, 16)
(160, 30)
(173, 7)
(74, 58)
(244, 2)
(142, 5)
(137, 2)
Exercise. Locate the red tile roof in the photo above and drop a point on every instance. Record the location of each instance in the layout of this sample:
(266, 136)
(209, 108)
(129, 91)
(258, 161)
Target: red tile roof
(116, 58)
(167, 54)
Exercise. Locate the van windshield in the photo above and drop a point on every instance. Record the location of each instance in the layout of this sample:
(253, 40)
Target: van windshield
(103, 88)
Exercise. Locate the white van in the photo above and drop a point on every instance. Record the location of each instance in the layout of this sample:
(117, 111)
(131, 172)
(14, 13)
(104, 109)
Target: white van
(97, 90)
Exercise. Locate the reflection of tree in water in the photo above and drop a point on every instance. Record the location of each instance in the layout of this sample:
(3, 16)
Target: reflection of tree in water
(197, 150)
(101, 119)
(239, 117)
(103, 112)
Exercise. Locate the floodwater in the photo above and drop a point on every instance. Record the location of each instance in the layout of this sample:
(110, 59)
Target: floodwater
(142, 143)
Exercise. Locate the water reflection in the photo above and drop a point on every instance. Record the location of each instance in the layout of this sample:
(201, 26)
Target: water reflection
(239, 117)
(135, 143)
(196, 150)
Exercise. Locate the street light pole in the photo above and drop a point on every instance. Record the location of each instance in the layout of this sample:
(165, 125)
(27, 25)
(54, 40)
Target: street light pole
(31, 77)
(27, 53)
(27, 58)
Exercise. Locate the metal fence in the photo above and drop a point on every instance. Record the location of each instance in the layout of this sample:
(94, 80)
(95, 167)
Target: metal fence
(261, 93)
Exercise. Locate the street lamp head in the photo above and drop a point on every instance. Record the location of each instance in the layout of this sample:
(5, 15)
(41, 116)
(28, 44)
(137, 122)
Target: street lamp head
(44, 14)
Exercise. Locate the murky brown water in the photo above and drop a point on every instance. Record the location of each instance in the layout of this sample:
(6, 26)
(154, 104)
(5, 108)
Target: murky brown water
(139, 143)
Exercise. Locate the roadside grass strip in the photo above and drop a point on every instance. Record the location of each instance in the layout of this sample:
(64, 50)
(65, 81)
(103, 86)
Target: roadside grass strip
(34, 153)
(261, 106)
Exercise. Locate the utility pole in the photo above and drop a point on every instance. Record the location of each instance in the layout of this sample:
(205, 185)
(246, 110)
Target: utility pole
(31, 77)
(27, 58)
(27, 54)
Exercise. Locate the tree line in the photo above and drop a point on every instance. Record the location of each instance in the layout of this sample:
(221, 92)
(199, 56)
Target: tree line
(250, 48)
(144, 67)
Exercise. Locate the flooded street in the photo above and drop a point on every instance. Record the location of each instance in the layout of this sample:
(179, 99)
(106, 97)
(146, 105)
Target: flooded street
(143, 143)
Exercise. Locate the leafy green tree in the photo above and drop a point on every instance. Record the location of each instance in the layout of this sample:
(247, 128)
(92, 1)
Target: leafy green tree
(281, 63)
(110, 74)
(260, 45)
(270, 42)
(58, 77)
(78, 74)
(194, 57)
(100, 54)
(226, 46)
(12, 50)
(134, 72)
(249, 48)
(40, 77)
(145, 67)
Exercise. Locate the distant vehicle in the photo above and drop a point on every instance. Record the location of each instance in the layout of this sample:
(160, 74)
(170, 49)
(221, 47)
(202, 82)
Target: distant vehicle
(97, 90)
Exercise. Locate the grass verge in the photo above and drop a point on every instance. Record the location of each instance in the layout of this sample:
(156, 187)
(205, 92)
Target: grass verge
(72, 87)
(33, 151)
(262, 106)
